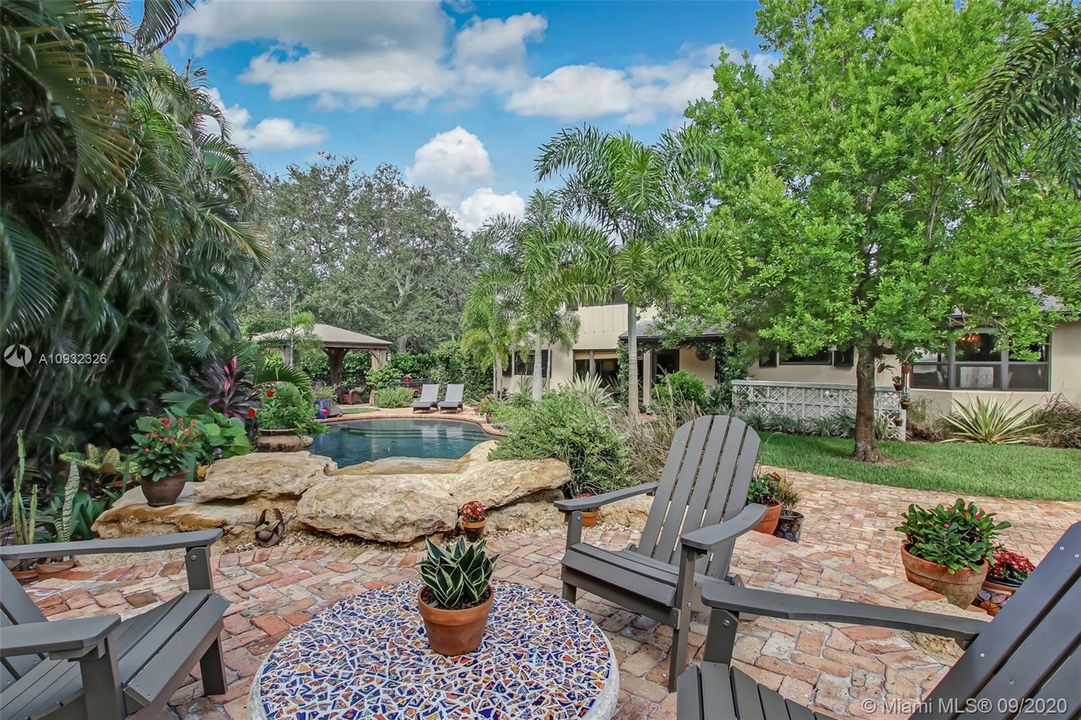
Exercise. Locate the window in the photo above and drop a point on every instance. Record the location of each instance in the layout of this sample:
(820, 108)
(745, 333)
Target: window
(973, 363)
(822, 357)
(522, 363)
(844, 357)
(667, 362)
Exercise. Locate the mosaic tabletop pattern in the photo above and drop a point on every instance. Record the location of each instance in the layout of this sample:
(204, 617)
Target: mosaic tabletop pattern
(367, 658)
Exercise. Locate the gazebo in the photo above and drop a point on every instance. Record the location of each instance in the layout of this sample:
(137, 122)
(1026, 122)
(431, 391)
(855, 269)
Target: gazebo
(336, 342)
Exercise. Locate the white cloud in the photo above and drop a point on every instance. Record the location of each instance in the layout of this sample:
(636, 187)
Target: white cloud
(273, 133)
(574, 92)
(484, 203)
(491, 54)
(450, 164)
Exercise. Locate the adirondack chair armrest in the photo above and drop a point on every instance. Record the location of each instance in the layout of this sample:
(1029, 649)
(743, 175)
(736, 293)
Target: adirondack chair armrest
(706, 538)
(801, 607)
(579, 504)
(59, 638)
(186, 540)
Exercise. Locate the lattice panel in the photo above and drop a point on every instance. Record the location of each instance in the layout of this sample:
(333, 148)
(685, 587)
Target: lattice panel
(811, 401)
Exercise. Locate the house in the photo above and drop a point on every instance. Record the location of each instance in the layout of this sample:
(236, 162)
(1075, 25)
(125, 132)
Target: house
(967, 367)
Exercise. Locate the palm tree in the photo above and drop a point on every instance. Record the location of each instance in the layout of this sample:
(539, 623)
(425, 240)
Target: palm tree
(634, 193)
(486, 322)
(1028, 103)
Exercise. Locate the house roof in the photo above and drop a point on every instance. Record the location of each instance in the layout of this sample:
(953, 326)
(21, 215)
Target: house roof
(652, 330)
(331, 336)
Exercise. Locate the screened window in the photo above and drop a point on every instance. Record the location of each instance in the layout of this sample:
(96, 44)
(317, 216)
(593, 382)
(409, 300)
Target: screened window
(973, 363)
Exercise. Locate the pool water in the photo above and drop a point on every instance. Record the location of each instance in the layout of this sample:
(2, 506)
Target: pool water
(349, 443)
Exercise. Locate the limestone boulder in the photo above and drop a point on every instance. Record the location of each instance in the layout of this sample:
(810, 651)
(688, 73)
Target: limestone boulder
(131, 516)
(270, 476)
(533, 512)
(631, 513)
(398, 500)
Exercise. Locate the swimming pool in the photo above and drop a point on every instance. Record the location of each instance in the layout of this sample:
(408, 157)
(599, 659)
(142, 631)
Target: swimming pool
(349, 443)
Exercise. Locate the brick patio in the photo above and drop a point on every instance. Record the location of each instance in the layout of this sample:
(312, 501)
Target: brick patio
(849, 550)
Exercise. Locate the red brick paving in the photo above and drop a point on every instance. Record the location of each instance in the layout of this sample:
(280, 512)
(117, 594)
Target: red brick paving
(849, 550)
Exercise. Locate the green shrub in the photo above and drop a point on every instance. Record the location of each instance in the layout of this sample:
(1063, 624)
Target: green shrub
(564, 426)
(413, 365)
(356, 366)
(1059, 423)
(393, 397)
(989, 421)
(315, 363)
(285, 407)
(681, 386)
(651, 440)
(385, 376)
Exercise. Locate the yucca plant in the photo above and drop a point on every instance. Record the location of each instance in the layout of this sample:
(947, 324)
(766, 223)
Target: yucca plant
(591, 389)
(457, 575)
(24, 520)
(991, 422)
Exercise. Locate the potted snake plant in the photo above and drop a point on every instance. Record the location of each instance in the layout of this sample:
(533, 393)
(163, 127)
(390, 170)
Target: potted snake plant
(456, 596)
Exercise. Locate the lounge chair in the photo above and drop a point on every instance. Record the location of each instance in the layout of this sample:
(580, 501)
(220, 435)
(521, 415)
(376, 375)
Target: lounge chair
(1024, 663)
(699, 508)
(428, 400)
(104, 667)
(453, 400)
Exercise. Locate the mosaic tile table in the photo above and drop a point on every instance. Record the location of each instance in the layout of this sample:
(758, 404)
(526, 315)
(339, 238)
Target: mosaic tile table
(367, 658)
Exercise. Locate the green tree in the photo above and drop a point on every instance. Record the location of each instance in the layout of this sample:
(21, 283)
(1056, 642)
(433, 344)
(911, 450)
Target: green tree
(125, 213)
(487, 323)
(856, 222)
(635, 193)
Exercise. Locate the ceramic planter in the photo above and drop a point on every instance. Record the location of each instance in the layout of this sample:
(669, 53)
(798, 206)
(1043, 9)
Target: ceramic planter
(589, 518)
(454, 632)
(959, 587)
(25, 575)
(473, 530)
(52, 566)
(164, 491)
(994, 594)
(277, 441)
(769, 521)
(789, 525)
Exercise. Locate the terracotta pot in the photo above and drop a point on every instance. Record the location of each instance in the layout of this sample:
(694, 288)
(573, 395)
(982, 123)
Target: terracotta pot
(905, 404)
(589, 518)
(455, 632)
(473, 530)
(959, 587)
(789, 525)
(898, 386)
(277, 441)
(994, 594)
(26, 576)
(769, 521)
(49, 567)
(164, 491)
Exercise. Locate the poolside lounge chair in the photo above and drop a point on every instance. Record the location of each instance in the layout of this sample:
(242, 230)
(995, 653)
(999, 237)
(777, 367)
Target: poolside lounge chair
(1024, 663)
(453, 400)
(104, 667)
(699, 508)
(428, 400)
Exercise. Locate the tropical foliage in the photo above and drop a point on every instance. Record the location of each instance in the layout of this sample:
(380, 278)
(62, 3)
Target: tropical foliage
(958, 536)
(847, 203)
(989, 421)
(457, 576)
(393, 397)
(166, 446)
(125, 216)
(286, 408)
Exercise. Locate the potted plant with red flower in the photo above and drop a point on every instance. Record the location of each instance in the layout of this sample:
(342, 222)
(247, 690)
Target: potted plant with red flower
(589, 517)
(473, 519)
(1008, 570)
(947, 548)
(167, 450)
(284, 415)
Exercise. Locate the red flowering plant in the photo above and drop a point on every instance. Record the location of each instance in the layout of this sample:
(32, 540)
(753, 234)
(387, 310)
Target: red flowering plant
(472, 511)
(957, 536)
(167, 445)
(1009, 567)
(582, 496)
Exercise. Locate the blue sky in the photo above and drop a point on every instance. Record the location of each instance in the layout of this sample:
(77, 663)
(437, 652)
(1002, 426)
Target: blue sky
(457, 95)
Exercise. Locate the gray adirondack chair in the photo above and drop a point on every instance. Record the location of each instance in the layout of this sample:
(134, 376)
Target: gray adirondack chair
(1024, 663)
(429, 398)
(103, 668)
(699, 508)
(452, 402)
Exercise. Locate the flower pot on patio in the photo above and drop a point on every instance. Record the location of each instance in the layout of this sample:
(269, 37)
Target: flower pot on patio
(789, 525)
(769, 521)
(165, 491)
(589, 518)
(25, 574)
(278, 441)
(454, 632)
(52, 566)
(473, 530)
(959, 587)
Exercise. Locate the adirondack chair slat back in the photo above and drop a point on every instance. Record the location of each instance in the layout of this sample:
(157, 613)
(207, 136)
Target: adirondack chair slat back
(704, 481)
(15, 608)
(1032, 649)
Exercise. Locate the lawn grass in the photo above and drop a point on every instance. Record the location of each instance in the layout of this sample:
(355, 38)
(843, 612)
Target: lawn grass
(357, 409)
(1013, 471)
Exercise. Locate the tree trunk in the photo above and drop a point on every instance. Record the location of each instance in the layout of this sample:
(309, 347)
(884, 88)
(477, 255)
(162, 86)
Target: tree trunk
(865, 407)
(632, 361)
(538, 366)
(497, 374)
